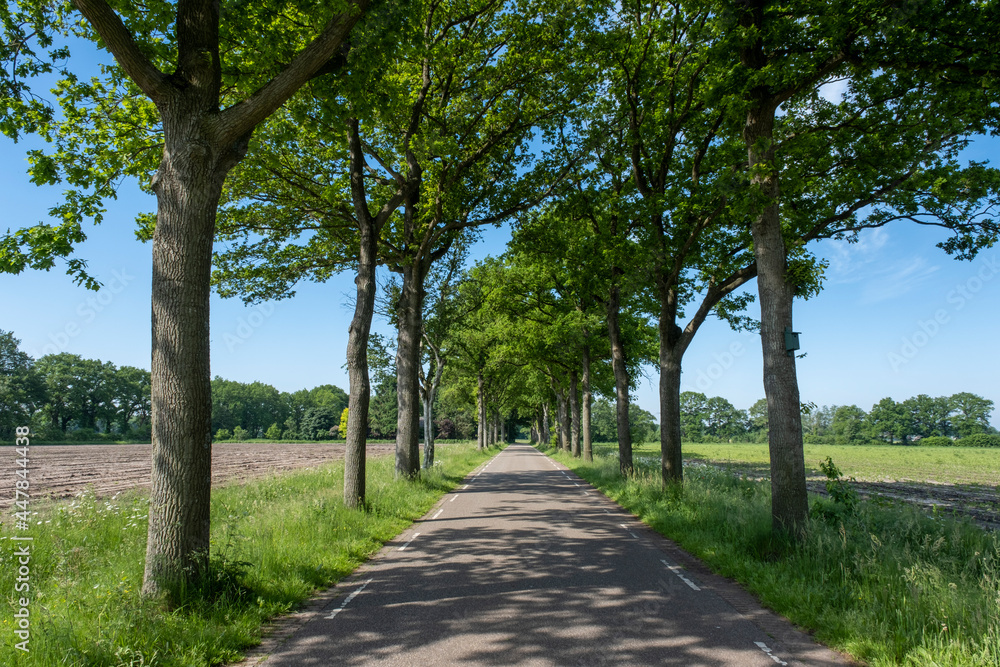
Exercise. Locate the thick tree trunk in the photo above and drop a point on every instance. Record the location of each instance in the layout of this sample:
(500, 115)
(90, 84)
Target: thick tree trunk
(574, 408)
(357, 369)
(588, 446)
(789, 499)
(188, 186)
(620, 370)
(670, 413)
(409, 314)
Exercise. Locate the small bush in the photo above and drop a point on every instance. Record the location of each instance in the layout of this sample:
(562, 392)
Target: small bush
(936, 441)
(240, 434)
(980, 440)
(223, 434)
(273, 433)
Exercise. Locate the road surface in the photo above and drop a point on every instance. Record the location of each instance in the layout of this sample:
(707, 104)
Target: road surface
(527, 564)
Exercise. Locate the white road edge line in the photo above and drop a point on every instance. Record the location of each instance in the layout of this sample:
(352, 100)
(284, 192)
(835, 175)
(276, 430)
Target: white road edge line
(437, 514)
(763, 647)
(408, 541)
(676, 570)
(348, 599)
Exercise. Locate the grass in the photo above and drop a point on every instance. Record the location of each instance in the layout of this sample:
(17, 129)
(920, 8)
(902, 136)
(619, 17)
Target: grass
(888, 585)
(275, 542)
(870, 463)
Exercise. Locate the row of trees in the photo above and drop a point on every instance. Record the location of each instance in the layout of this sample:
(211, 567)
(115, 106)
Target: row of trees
(912, 421)
(64, 395)
(686, 149)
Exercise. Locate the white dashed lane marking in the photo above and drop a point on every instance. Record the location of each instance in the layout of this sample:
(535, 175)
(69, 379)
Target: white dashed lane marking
(415, 535)
(763, 647)
(677, 570)
(437, 514)
(348, 599)
(629, 531)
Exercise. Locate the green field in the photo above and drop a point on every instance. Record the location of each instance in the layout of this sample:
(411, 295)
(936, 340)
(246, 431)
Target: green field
(876, 463)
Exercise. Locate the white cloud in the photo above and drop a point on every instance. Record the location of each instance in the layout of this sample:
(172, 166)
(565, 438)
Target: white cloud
(897, 279)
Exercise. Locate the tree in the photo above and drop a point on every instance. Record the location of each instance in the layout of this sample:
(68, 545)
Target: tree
(171, 82)
(848, 425)
(970, 414)
(80, 391)
(317, 422)
(888, 421)
(22, 390)
(273, 432)
(131, 396)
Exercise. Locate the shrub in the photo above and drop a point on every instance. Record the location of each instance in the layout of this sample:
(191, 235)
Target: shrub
(936, 441)
(223, 434)
(342, 430)
(980, 440)
(240, 434)
(273, 433)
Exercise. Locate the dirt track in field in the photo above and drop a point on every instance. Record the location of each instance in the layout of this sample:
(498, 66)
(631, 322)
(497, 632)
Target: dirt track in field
(64, 471)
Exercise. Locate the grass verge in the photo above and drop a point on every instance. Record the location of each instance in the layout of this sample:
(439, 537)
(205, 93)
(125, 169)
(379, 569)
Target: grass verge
(275, 542)
(888, 585)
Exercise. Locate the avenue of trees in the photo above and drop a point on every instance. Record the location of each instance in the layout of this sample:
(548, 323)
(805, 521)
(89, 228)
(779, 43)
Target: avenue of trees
(655, 158)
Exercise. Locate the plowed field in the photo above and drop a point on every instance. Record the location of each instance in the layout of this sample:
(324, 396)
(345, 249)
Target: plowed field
(63, 471)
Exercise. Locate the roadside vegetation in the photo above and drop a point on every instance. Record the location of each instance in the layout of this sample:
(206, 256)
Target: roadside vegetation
(275, 542)
(887, 584)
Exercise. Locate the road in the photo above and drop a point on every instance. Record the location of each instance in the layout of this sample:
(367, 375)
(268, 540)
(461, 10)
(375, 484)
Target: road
(527, 564)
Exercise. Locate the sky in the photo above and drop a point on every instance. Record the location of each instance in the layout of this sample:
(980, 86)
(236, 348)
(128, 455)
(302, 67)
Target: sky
(897, 316)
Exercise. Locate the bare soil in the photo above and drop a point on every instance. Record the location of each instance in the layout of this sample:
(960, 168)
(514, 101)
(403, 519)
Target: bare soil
(63, 471)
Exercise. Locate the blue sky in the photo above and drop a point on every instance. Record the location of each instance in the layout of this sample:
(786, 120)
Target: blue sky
(897, 316)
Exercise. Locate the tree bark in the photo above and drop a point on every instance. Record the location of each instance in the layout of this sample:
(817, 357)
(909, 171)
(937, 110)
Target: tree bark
(574, 408)
(564, 438)
(672, 470)
(588, 446)
(410, 317)
(357, 369)
(481, 405)
(620, 370)
(429, 392)
(546, 434)
(188, 186)
(789, 499)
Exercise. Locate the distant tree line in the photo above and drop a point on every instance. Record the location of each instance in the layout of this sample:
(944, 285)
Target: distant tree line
(962, 419)
(64, 397)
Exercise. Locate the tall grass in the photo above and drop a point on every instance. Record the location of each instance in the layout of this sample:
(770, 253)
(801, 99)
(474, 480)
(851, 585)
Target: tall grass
(889, 585)
(274, 543)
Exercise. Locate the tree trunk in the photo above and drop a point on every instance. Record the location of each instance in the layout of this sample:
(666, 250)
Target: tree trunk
(357, 369)
(620, 370)
(672, 469)
(481, 410)
(429, 393)
(588, 446)
(188, 185)
(410, 319)
(563, 421)
(789, 499)
(546, 433)
(574, 408)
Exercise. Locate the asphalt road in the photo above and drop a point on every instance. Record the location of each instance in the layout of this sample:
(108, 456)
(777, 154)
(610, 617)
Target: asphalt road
(529, 565)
